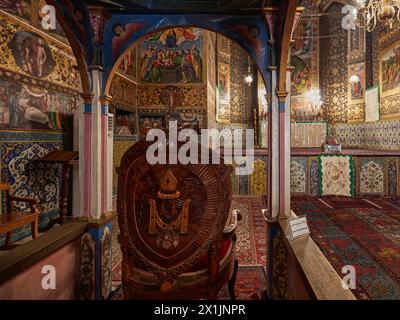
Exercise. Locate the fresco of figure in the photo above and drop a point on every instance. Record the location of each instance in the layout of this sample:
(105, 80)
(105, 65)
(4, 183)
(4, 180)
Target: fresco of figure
(122, 33)
(13, 6)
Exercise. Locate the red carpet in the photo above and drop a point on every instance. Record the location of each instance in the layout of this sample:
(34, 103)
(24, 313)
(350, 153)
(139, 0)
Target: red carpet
(250, 251)
(366, 236)
(251, 232)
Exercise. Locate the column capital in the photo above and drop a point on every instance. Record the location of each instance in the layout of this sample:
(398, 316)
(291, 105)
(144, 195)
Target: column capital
(105, 100)
(282, 95)
(87, 98)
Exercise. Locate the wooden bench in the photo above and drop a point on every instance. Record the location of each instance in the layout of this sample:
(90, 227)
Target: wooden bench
(12, 219)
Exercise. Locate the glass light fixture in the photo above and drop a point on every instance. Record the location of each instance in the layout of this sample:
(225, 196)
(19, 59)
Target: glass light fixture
(249, 78)
(369, 12)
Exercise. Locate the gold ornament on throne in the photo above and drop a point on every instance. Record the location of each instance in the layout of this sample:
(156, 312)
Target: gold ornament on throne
(168, 194)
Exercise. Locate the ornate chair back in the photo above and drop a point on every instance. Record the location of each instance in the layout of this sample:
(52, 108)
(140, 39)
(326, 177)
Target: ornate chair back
(170, 216)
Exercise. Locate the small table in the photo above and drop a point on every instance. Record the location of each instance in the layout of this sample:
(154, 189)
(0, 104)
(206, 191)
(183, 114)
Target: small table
(67, 159)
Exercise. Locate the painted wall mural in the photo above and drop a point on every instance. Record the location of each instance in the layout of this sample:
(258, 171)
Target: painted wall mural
(124, 92)
(125, 122)
(172, 56)
(27, 107)
(32, 54)
(223, 89)
(29, 11)
(159, 119)
(390, 70)
(128, 64)
(38, 97)
(249, 31)
(357, 83)
(305, 55)
(172, 97)
(26, 53)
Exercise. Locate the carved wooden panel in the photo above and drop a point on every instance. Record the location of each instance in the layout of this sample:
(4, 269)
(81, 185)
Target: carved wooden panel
(170, 215)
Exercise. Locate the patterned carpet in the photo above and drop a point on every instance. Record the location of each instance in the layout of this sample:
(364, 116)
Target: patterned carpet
(250, 251)
(364, 233)
(251, 232)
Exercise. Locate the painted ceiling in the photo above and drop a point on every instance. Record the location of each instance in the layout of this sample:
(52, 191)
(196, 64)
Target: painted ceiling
(215, 6)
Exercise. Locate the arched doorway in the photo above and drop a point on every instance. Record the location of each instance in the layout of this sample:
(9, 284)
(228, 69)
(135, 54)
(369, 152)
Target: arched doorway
(212, 93)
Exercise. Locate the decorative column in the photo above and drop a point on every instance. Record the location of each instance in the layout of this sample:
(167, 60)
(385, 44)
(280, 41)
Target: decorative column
(96, 243)
(106, 203)
(273, 119)
(85, 155)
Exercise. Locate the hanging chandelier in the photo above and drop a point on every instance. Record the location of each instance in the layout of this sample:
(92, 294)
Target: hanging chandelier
(370, 12)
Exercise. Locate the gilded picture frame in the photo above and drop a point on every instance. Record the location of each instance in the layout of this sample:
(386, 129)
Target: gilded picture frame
(389, 57)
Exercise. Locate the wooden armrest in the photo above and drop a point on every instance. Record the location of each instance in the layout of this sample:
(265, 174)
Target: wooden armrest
(32, 202)
(231, 227)
(27, 200)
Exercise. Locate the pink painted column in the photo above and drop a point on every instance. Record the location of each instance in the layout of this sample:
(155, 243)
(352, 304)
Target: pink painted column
(86, 155)
(282, 160)
(105, 166)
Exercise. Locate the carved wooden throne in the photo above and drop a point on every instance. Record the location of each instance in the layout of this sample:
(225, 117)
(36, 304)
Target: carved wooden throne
(177, 232)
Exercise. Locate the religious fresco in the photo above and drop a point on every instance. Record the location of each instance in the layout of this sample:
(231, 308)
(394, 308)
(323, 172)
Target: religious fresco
(302, 54)
(172, 97)
(305, 52)
(249, 31)
(32, 54)
(148, 121)
(26, 53)
(30, 11)
(172, 56)
(390, 70)
(223, 92)
(125, 123)
(357, 85)
(123, 91)
(122, 33)
(128, 64)
(160, 118)
(17, 7)
(27, 107)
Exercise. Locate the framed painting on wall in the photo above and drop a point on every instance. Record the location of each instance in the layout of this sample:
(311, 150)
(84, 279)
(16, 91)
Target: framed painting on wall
(357, 83)
(389, 71)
